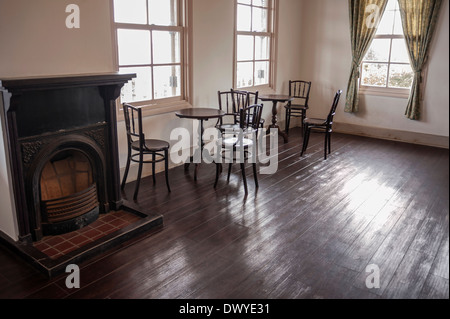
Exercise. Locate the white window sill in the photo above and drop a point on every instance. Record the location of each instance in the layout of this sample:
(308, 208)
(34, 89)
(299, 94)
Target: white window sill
(395, 93)
(155, 109)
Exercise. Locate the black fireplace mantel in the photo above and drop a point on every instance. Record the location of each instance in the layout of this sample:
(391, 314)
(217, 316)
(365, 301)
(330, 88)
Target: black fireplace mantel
(20, 85)
(45, 115)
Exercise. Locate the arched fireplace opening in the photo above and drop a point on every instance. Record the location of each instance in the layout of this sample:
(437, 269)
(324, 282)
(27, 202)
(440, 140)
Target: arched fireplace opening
(68, 193)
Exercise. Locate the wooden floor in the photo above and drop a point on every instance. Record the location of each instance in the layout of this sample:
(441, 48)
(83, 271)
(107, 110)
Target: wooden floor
(310, 231)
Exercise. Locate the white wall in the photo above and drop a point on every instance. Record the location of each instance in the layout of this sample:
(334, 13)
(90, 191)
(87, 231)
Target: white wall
(326, 60)
(35, 42)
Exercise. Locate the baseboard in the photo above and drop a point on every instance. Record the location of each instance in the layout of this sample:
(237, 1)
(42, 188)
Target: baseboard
(393, 135)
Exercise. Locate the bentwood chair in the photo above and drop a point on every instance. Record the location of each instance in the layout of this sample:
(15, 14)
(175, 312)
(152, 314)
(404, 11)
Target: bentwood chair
(140, 147)
(230, 102)
(300, 91)
(321, 126)
(242, 145)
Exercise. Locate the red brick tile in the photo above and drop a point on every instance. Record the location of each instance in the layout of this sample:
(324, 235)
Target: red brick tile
(51, 252)
(92, 233)
(106, 228)
(79, 240)
(63, 246)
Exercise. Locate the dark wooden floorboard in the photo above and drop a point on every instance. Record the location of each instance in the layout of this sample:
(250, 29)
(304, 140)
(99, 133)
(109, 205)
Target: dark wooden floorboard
(309, 231)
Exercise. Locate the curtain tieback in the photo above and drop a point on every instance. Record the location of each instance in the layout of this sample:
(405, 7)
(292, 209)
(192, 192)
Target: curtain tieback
(355, 65)
(419, 75)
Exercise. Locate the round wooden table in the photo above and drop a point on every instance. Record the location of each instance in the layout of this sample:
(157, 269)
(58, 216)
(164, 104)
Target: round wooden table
(275, 99)
(202, 115)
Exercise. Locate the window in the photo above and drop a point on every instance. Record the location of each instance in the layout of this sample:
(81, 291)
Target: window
(150, 37)
(254, 37)
(386, 66)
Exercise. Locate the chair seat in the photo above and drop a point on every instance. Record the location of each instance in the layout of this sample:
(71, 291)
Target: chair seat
(298, 107)
(152, 145)
(228, 127)
(234, 142)
(316, 122)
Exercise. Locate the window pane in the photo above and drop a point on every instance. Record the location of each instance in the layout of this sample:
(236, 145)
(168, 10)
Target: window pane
(245, 1)
(244, 74)
(259, 20)
(167, 81)
(374, 74)
(387, 23)
(139, 88)
(245, 47)
(130, 11)
(244, 18)
(401, 76)
(399, 51)
(260, 3)
(261, 73)
(379, 51)
(262, 48)
(134, 47)
(166, 47)
(398, 27)
(162, 12)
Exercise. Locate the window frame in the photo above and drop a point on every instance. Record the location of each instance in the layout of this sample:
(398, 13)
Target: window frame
(163, 105)
(384, 91)
(271, 32)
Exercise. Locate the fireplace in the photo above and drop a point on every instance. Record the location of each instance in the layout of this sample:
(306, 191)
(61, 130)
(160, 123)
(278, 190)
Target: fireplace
(62, 137)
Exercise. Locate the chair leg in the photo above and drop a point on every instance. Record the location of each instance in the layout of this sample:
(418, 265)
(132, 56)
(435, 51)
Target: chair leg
(288, 120)
(329, 143)
(127, 169)
(255, 174)
(303, 122)
(218, 171)
(326, 146)
(230, 166)
(244, 177)
(138, 180)
(305, 140)
(166, 162)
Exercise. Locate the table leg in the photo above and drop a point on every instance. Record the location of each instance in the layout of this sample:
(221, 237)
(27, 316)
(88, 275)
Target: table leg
(198, 158)
(275, 124)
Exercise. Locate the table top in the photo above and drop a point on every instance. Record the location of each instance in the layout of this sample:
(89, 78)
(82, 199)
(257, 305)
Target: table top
(200, 113)
(276, 97)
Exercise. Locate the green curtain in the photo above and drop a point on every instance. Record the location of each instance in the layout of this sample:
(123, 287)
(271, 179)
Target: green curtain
(419, 19)
(363, 27)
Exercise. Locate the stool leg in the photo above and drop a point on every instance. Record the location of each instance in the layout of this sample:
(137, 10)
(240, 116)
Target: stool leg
(154, 168)
(166, 162)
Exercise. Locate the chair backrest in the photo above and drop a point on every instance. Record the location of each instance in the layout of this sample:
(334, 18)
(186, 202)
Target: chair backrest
(226, 102)
(333, 108)
(250, 117)
(252, 98)
(241, 99)
(232, 101)
(300, 91)
(133, 123)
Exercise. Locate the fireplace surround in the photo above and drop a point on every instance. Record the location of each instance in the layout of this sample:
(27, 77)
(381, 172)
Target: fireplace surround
(62, 139)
